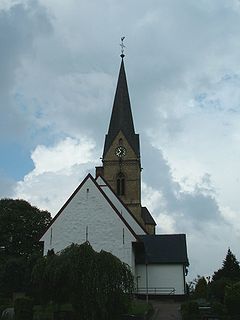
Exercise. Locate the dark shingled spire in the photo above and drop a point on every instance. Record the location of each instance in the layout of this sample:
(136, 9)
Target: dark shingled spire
(121, 118)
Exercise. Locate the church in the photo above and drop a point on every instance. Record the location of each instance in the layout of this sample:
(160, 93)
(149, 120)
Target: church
(106, 210)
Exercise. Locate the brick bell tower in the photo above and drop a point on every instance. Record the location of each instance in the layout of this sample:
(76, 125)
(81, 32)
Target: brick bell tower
(121, 155)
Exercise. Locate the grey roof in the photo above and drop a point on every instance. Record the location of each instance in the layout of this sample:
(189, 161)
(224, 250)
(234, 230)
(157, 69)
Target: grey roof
(121, 118)
(147, 217)
(170, 248)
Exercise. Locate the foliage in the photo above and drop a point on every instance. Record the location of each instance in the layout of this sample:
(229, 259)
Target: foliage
(227, 275)
(219, 309)
(4, 303)
(23, 308)
(232, 299)
(98, 285)
(140, 308)
(190, 311)
(229, 270)
(201, 289)
(21, 226)
(12, 277)
(217, 289)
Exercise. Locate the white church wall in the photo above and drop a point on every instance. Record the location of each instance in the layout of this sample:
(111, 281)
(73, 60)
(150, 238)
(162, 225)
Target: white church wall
(161, 279)
(89, 216)
(124, 212)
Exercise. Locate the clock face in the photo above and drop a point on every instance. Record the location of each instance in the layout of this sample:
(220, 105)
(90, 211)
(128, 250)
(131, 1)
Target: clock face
(120, 151)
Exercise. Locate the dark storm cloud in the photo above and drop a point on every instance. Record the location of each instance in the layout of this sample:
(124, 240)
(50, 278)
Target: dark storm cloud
(20, 25)
(195, 209)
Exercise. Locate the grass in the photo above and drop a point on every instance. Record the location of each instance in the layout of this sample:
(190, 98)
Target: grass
(139, 307)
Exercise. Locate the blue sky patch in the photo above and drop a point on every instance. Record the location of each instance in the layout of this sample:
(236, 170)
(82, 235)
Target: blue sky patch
(15, 161)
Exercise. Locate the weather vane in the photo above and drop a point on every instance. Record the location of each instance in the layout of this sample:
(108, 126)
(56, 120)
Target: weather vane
(122, 47)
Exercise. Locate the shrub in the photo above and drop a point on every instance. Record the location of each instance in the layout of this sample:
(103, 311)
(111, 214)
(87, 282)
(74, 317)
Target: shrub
(4, 303)
(190, 311)
(219, 309)
(23, 308)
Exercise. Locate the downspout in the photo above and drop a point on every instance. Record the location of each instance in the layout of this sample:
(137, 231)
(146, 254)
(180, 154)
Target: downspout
(146, 264)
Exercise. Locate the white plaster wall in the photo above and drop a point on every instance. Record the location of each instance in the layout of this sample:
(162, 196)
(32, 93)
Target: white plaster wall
(124, 212)
(161, 276)
(89, 209)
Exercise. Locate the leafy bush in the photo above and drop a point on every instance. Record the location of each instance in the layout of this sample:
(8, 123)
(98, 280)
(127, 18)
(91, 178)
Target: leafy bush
(190, 311)
(219, 309)
(23, 308)
(4, 303)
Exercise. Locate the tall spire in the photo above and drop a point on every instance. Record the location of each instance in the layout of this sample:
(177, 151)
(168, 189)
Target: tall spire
(121, 118)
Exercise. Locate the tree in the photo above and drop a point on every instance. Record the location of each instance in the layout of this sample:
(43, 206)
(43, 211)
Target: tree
(13, 276)
(230, 269)
(201, 289)
(21, 226)
(227, 275)
(98, 285)
(232, 298)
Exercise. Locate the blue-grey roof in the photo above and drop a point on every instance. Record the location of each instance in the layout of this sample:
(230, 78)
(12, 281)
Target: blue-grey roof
(170, 248)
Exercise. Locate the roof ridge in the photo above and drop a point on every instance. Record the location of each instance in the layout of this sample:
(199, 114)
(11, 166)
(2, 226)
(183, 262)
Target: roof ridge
(120, 200)
(104, 195)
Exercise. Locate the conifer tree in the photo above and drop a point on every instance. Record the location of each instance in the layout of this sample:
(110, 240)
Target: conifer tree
(230, 269)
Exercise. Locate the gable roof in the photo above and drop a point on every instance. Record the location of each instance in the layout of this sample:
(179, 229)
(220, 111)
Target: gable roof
(120, 200)
(121, 118)
(147, 217)
(89, 176)
(170, 248)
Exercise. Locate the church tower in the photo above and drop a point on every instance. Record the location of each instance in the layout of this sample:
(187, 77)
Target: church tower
(121, 155)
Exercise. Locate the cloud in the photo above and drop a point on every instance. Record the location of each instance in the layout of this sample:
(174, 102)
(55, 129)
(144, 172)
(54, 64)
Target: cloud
(57, 172)
(20, 25)
(194, 210)
(58, 76)
(168, 196)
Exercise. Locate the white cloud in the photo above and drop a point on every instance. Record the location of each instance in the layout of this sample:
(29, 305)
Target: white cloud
(57, 172)
(63, 156)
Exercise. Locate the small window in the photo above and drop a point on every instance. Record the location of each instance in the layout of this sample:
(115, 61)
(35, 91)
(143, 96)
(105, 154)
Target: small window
(120, 184)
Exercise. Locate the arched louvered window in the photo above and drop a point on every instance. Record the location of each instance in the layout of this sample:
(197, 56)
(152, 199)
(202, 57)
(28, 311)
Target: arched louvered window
(120, 184)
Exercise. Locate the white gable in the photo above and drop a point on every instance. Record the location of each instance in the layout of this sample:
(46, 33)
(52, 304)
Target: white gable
(121, 208)
(88, 215)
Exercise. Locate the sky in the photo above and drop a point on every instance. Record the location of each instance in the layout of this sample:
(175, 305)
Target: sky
(59, 63)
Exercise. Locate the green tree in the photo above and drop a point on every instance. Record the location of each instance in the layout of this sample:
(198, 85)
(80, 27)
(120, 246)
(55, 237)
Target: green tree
(13, 276)
(230, 268)
(201, 289)
(98, 285)
(227, 275)
(232, 299)
(21, 226)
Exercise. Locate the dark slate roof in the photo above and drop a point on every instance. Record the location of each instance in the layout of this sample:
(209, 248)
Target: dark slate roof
(170, 248)
(147, 217)
(121, 118)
